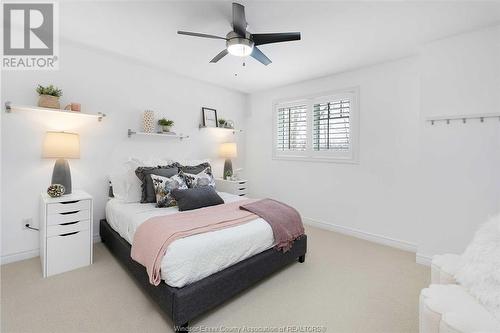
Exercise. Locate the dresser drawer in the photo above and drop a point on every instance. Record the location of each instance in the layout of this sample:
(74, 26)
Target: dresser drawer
(68, 206)
(66, 228)
(71, 216)
(68, 251)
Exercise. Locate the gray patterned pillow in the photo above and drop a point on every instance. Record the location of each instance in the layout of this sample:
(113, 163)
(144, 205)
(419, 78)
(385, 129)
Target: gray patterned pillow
(203, 178)
(163, 188)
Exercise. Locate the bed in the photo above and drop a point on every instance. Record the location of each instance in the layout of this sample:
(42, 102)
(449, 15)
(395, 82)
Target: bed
(201, 271)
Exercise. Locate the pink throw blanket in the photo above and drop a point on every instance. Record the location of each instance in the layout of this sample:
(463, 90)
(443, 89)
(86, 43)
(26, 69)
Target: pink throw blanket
(283, 219)
(153, 237)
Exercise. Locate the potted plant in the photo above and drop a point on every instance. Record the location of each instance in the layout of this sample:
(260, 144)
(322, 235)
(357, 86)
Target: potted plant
(165, 124)
(49, 96)
(222, 122)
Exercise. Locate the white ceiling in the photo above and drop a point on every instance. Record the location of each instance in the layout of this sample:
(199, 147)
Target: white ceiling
(336, 36)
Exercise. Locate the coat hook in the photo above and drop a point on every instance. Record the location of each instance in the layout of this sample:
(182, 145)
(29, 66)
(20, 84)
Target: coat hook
(464, 120)
(482, 119)
(447, 121)
(432, 122)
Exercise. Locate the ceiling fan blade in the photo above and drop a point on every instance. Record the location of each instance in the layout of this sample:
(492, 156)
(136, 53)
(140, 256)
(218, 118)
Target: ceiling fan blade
(260, 39)
(219, 56)
(196, 34)
(259, 56)
(239, 20)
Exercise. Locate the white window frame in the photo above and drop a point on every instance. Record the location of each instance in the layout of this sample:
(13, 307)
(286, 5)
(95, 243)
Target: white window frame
(321, 156)
(291, 154)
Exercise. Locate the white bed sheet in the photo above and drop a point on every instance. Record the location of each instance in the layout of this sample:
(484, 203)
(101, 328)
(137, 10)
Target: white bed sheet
(193, 258)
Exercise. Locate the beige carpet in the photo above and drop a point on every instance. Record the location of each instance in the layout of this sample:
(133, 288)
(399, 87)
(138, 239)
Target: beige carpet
(346, 285)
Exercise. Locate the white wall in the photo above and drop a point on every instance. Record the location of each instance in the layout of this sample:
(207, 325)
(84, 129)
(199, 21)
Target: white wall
(375, 195)
(122, 89)
(430, 186)
(460, 162)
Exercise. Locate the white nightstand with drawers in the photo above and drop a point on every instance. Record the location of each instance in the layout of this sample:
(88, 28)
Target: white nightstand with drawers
(236, 187)
(65, 232)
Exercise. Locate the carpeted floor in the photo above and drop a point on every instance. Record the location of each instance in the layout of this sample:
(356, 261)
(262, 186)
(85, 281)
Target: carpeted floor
(345, 285)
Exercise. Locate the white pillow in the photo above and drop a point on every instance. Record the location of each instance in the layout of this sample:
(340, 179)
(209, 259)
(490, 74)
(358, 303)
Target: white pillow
(153, 161)
(480, 269)
(126, 185)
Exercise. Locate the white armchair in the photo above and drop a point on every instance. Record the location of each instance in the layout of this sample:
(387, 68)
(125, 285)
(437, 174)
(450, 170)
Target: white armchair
(447, 307)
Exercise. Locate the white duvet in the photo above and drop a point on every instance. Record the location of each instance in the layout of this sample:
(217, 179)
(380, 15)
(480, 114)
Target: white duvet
(193, 258)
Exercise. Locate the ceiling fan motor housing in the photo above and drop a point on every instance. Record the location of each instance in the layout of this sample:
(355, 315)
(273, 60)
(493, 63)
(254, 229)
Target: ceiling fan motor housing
(239, 46)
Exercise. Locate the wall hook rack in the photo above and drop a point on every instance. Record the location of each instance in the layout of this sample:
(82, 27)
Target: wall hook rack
(464, 118)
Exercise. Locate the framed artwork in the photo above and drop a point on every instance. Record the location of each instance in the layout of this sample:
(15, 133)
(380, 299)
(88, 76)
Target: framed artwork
(209, 117)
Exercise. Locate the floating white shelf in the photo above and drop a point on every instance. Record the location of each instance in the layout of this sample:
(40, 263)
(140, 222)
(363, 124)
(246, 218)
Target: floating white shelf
(234, 130)
(10, 107)
(170, 136)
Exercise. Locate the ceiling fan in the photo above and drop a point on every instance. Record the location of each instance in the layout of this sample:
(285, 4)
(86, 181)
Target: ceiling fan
(241, 43)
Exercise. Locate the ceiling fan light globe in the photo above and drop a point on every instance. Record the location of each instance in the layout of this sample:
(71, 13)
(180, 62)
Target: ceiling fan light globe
(240, 50)
(240, 47)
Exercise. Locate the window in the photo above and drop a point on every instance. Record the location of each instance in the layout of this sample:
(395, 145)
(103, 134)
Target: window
(322, 128)
(291, 132)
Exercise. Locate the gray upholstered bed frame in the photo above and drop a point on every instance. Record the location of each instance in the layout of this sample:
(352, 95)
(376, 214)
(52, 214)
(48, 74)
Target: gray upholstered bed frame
(186, 303)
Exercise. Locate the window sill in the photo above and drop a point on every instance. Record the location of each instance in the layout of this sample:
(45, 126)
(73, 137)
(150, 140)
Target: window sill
(335, 160)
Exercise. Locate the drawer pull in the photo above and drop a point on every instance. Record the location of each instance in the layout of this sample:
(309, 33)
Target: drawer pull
(69, 223)
(69, 202)
(242, 188)
(73, 212)
(69, 233)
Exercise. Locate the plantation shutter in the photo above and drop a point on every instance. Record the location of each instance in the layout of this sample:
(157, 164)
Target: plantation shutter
(291, 131)
(331, 125)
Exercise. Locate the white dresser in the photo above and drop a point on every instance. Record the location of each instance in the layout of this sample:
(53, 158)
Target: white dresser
(237, 187)
(65, 232)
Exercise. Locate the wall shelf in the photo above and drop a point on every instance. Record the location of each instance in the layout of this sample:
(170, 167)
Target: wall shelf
(9, 107)
(170, 136)
(463, 118)
(234, 130)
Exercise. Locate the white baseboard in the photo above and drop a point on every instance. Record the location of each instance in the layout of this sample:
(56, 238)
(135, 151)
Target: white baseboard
(23, 255)
(6, 259)
(423, 259)
(396, 243)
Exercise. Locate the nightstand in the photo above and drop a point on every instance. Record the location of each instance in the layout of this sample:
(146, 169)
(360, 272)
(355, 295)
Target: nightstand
(236, 187)
(65, 232)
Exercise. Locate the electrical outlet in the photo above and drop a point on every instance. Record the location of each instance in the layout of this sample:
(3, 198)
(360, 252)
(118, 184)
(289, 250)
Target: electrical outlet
(27, 220)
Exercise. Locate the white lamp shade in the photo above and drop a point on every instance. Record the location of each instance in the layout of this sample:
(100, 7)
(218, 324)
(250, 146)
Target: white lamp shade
(228, 150)
(61, 145)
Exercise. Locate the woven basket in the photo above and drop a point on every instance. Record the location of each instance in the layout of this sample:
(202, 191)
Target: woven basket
(47, 101)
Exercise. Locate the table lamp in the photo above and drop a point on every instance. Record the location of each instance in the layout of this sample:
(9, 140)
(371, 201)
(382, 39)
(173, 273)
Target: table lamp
(228, 150)
(61, 145)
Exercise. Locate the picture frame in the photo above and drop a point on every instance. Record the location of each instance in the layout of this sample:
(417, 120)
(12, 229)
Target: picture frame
(209, 117)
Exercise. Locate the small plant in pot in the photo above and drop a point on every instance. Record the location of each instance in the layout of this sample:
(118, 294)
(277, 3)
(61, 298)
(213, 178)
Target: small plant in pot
(222, 122)
(166, 124)
(49, 96)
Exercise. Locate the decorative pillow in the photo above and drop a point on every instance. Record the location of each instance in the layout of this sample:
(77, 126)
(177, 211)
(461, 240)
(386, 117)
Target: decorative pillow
(163, 186)
(480, 267)
(203, 178)
(194, 168)
(125, 185)
(194, 198)
(143, 173)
